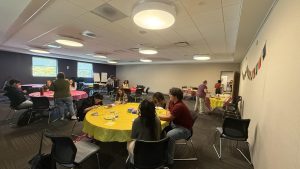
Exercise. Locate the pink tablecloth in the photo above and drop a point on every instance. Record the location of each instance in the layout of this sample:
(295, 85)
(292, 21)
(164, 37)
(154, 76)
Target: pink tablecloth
(77, 95)
(133, 89)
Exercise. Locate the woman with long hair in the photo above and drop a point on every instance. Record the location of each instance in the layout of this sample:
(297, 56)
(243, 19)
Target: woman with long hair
(159, 100)
(146, 127)
(73, 84)
(121, 97)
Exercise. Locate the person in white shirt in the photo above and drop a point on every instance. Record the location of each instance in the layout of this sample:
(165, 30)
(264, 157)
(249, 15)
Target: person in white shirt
(73, 84)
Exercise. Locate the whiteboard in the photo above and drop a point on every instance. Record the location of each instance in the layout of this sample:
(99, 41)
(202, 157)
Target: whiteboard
(96, 77)
(103, 77)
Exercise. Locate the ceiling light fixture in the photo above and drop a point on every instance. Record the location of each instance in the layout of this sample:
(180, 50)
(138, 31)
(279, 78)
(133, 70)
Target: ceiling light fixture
(69, 42)
(147, 51)
(201, 57)
(145, 60)
(101, 56)
(42, 51)
(111, 61)
(154, 15)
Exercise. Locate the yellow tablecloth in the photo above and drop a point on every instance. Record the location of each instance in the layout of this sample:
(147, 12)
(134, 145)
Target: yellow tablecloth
(96, 124)
(216, 102)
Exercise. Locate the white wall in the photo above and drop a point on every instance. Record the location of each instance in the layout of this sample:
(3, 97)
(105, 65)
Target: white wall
(163, 77)
(271, 99)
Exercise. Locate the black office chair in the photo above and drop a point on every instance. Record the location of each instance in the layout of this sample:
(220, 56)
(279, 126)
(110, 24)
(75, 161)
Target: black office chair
(41, 104)
(69, 154)
(233, 129)
(189, 140)
(138, 94)
(146, 92)
(150, 154)
(232, 109)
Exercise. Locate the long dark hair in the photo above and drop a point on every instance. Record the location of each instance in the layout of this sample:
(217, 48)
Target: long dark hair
(147, 111)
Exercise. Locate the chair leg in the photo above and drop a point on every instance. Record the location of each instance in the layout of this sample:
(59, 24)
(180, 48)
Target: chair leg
(243, 153)
(73, 128)
(97, 154)
(31, 112)
(220, 149)
(193, 149)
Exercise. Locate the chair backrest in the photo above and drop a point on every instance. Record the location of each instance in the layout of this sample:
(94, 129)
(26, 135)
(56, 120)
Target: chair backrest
(147, 90)
(40, 103)
(63, 149)
(236, 128)
(151, 154)
(139, 91)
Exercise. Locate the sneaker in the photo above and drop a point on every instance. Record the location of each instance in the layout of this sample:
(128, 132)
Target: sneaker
(74, 117)
(62, 118)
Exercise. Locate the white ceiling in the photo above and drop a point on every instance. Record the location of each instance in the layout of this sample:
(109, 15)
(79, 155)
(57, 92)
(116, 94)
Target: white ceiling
(209, 26)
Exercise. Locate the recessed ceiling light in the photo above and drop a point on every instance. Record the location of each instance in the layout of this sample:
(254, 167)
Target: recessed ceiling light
(147, 51)
(111, 61)
(39, 51)
(69, 42)
(100, 56)
(145, 60)
(154, 15)
(201, 57)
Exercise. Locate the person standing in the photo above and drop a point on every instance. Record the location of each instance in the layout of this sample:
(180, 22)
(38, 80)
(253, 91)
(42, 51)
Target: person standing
(200, 98)
(110, 84)
(181, 121)
(62, 96)
(218, 87)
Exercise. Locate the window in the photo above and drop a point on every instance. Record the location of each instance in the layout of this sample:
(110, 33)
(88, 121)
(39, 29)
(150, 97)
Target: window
(84, 70)
(44, 67)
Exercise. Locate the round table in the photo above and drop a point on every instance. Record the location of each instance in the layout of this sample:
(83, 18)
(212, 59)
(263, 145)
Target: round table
(216, 102)
(76, 94)
(98, 125)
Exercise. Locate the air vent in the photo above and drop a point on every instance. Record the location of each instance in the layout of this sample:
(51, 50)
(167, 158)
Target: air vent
(108, 12)
(182, 44)
(88, 34)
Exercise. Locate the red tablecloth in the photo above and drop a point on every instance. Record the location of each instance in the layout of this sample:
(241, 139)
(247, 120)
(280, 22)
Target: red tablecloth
(77, 95)
(133, 89)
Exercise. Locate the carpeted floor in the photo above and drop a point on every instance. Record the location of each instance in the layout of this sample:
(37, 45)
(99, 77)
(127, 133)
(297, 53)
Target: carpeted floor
(20, 144)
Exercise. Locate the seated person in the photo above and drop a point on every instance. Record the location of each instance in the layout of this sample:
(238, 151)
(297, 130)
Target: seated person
(89, 104)
(146, 127)
(180, 118)
(46, 87)
(73, 84)
(16, 95)
(121, 97)
(159, 100)
(125, 84)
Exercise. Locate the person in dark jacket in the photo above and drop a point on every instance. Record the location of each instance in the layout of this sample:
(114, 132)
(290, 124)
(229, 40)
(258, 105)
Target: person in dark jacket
(16, 96)
(89, 104)
(62, 96)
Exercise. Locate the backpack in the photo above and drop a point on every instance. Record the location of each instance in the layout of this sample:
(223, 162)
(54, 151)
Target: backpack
(41, 161)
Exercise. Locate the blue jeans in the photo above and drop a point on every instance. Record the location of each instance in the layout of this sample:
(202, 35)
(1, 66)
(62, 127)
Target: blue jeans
(61, 102)
(177, 133)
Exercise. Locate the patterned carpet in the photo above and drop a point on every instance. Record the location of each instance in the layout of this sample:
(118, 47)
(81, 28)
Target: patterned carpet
(20, 144)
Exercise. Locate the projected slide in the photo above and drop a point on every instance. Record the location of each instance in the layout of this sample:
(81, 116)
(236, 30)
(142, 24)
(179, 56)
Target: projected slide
(44, 67)
(85, 70)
